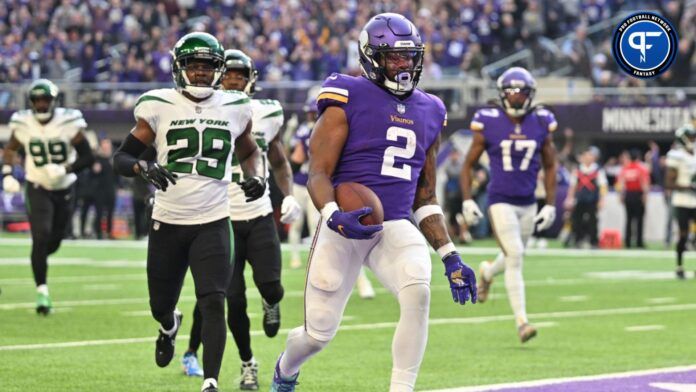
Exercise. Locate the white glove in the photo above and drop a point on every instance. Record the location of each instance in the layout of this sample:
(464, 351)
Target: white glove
(471, 212)
(545, 217)
(10, 184)
(55, 172)
(290, 210)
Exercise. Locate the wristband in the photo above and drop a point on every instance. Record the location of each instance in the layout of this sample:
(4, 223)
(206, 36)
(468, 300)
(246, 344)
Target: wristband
(446, 249)
(328, 210)
(425, 211)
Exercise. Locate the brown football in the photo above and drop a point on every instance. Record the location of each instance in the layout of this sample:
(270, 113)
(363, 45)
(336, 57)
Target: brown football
(351, 196)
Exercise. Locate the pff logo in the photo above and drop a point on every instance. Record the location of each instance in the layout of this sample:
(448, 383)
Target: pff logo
(645, 45)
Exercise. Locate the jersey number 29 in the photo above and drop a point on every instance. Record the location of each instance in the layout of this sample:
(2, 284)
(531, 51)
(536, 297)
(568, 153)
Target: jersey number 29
(213, 143)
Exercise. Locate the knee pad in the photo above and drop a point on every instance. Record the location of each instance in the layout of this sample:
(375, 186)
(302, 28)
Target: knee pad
(272, 292)
(212, 305)
(322, 322)
(415, 297)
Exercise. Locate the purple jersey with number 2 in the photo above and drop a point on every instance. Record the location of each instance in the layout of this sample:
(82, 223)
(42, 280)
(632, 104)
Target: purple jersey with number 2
(514, 151)
(387, 138)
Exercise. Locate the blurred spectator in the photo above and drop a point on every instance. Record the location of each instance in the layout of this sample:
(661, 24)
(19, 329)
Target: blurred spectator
(588, 185)
(105, 183)
(634, 182)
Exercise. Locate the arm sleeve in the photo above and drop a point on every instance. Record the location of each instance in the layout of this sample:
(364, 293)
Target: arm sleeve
(127, 156)
(85, 158)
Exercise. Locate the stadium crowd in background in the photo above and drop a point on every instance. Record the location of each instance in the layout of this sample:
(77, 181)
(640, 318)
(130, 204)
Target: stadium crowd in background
(129, 41)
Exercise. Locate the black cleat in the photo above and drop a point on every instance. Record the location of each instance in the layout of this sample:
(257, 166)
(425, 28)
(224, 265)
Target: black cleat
(271, 318)
(164, 346)
(210, 389)
(680, 273)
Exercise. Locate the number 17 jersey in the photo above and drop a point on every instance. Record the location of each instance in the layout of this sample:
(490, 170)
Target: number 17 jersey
(514, 151)
(195, 141)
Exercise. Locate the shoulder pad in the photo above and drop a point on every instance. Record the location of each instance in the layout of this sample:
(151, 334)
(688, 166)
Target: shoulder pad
(334, 92)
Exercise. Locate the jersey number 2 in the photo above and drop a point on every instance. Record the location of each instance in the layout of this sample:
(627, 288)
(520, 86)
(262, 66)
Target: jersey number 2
(392, 152)
(528, 145)
(215, 147)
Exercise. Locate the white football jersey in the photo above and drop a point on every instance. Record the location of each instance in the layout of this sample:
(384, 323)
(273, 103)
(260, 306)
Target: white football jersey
(684, 163)
(267, 119)
(48, 143)
(194, 140)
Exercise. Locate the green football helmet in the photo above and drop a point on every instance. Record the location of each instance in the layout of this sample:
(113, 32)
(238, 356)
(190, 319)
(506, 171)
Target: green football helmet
(197, 46)
(686, 135)
(42, 88)
(236, 59)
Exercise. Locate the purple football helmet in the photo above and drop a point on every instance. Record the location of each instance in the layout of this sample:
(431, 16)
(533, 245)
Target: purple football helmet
(391, 33)
(516, 88)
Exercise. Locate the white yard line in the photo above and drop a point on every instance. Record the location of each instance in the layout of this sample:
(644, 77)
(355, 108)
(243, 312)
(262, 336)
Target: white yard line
(465, 250)
(551, 381)
(573, 298)
(392, 324)
(643, 328)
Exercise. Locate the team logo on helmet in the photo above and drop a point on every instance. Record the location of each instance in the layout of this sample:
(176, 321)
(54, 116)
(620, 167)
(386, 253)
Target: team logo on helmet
(645, 45)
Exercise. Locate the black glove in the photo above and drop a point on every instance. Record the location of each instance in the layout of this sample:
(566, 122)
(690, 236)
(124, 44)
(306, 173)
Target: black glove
(156, 175)
(253, 187)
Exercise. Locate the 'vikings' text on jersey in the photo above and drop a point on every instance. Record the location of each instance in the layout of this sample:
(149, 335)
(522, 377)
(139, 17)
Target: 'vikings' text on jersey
(386, 152)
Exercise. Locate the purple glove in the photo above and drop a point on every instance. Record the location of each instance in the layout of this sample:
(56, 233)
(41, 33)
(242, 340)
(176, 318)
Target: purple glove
(348, 224)
(461, 277)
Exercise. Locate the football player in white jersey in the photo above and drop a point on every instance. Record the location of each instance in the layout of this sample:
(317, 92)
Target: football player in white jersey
(255, 235)
(56, 149)
(680, 179)
(195, 128)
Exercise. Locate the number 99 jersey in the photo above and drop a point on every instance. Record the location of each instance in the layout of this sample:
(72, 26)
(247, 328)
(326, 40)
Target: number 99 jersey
(387, 139)
(514, 151)
(194, 140)
(48, 143)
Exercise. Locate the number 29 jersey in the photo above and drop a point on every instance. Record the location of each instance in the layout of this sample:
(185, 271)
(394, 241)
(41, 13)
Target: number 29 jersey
(48, 143)
(387, 138)
(194, 140)
(514, 151)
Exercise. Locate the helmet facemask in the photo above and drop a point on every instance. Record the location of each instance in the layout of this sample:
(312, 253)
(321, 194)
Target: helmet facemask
(195, 63)
(43, 89)
(385, 43)
(686, 136)
(516, 89)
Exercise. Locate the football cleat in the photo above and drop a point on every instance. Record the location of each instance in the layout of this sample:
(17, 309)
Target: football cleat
(43, 304)
(483, 285)
(271, 318)
(365, 289)
(189, 363)
(250, 379)
(680, 273)
(209, 385)
(283, 384)
(526, 332)
(164, 346)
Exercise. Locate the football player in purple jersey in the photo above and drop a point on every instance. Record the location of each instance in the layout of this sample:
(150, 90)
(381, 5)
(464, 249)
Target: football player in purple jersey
(517, 138)
(382, 132)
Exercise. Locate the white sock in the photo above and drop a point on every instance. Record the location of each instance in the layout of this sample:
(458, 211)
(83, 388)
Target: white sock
(410, 337)
(209, 382)
(42, 289)
(249, 362)
(514, 283)
(496, 267)
(174, 328)
(298, 349)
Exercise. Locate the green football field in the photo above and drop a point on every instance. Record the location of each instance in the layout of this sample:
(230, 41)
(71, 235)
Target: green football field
(597, 312)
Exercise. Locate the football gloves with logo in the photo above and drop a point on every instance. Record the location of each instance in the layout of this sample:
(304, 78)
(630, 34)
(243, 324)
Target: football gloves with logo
(461, 277)
(471, 212)
(290, 210)
(545, 218)
(348, 224)
(156, 175)
(253, 187)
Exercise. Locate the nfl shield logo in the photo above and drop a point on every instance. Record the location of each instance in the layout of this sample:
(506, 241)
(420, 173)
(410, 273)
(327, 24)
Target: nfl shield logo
(401, 108)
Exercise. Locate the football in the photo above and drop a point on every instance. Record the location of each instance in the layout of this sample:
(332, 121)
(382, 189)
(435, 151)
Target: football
(351, 196)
